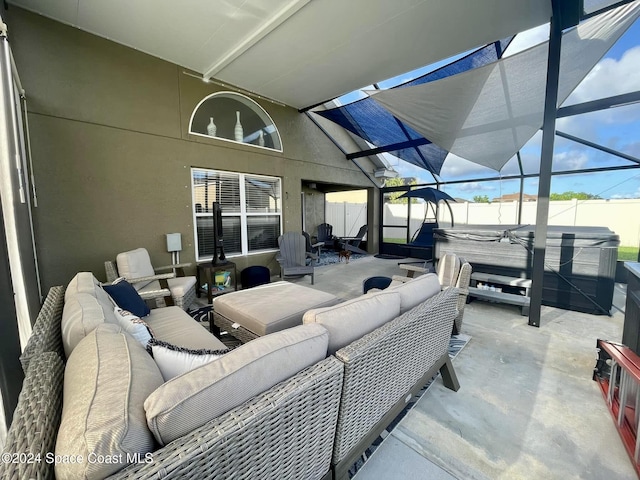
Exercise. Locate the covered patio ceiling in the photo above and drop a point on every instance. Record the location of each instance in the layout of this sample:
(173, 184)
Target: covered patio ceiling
(299, 52)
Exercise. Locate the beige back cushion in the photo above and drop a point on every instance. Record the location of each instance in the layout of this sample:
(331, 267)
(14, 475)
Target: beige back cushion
(107, 379)
(135, 264)
(85, 282)
(190, 400)
(350, 320)
(82, 313)
(417, 290)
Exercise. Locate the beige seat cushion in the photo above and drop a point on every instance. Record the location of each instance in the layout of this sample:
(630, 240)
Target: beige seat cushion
(135, 264)
(354, 318)
(272, 307)
(190, 400)
(173, 325)
(416, 290)
(107, 379)
(82, 313)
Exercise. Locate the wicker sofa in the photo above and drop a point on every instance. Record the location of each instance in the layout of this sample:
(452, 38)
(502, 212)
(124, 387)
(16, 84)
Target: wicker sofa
(341, 402)
(384, 368)
(266, 436)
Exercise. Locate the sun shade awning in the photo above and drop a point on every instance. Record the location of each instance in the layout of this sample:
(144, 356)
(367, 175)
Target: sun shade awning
(379, 127)
(487, 114)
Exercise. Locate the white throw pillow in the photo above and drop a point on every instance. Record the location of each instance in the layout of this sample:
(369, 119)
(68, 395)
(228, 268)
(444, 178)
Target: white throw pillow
(173, 360)
(134, 325)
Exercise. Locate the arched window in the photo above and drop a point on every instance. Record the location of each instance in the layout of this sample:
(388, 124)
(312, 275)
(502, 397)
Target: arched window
(234, 117)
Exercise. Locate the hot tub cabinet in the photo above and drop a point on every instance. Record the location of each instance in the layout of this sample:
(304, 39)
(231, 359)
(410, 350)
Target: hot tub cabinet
(580, 262)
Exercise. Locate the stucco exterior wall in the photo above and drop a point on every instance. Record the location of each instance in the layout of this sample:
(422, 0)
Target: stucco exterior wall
(112, 153)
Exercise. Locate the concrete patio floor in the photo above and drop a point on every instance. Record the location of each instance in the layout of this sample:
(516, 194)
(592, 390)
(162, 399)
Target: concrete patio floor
(527, 406)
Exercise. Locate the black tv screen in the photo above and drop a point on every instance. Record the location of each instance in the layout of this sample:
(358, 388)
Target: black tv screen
(218, 234)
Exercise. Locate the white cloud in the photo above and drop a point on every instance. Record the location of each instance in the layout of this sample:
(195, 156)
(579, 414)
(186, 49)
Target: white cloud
(454, 166)
(635, 194)
(610, 77)
(476, 187)
(570, 160)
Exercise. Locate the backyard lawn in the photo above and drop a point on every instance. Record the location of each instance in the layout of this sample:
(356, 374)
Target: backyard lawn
(628, 253)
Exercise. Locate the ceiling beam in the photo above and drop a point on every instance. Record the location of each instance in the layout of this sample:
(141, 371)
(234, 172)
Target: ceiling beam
(416, 142)
(254, 37)
(600, 104)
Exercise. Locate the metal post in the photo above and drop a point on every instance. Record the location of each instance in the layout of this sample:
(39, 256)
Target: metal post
(521, 188)
(546, 162)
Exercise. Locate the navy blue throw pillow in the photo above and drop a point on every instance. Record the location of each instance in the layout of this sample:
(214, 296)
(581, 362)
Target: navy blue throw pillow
(127, 298)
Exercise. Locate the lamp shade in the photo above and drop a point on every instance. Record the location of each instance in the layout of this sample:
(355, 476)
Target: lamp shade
(174, 242)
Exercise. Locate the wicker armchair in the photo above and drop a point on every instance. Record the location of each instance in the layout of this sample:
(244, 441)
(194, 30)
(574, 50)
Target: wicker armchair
(135, 266)
(454, 271)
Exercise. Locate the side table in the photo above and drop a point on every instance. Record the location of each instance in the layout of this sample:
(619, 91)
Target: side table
(207, 272)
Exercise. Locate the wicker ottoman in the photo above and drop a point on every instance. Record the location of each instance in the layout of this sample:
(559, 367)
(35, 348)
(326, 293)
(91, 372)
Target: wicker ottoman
(251, 313)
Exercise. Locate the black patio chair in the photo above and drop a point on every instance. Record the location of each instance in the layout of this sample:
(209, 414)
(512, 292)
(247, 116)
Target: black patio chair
(352, 244)
(325, 235)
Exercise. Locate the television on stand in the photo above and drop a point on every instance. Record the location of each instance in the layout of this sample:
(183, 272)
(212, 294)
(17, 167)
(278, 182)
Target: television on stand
(218, 247)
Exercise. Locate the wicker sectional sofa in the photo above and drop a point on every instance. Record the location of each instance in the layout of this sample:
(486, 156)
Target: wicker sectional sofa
(312, 423)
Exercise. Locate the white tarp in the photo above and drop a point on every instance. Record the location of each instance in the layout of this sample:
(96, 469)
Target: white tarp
(487, 114)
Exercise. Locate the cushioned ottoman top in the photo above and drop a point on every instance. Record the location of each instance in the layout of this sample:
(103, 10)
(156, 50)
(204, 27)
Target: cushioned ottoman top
(272, 307)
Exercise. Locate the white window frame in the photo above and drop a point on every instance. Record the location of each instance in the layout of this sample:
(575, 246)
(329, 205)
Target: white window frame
(270, 127)
(243, 214)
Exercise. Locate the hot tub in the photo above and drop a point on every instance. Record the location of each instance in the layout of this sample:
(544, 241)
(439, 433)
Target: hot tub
(580, 262)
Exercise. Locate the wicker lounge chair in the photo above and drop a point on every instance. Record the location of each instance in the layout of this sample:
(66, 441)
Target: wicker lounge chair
(135, 266)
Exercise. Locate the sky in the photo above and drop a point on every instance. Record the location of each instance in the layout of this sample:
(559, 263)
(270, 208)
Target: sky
(617, 128)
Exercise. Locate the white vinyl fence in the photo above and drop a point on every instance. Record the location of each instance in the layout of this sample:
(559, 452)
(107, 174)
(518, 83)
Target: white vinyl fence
(346, 218)
(622, 216)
